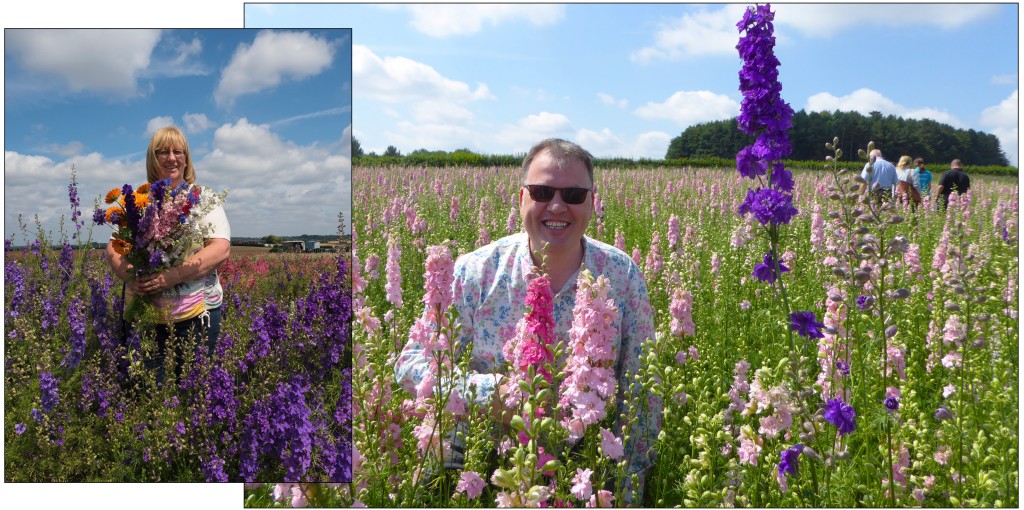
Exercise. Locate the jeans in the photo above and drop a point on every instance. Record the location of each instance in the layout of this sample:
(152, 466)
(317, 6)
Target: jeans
(208, 323)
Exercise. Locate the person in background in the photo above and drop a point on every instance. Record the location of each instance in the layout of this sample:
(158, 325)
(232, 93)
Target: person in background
(880, 176)
(907, 191)
(953, 180)
(924, 178)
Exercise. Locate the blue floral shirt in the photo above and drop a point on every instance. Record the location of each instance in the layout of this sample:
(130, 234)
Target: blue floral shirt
(490, 293)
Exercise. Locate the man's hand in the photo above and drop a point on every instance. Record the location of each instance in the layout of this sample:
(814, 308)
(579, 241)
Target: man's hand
(500, 413)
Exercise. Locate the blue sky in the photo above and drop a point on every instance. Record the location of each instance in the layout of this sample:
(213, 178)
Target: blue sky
(267, 114)
(623, 79)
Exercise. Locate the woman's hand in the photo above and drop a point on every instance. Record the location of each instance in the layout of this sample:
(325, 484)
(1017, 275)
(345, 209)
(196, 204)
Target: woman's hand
(157, 283)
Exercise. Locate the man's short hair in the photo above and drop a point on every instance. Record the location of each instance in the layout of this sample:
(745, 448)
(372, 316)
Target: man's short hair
(956, 164)
(876, 153)
(918, 161)
(561, 151)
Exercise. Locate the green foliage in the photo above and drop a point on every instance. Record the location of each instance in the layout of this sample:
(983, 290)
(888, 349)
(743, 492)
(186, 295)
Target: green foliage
(934, 141)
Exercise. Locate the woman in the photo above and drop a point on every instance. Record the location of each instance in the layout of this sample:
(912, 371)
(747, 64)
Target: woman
(907, 181)
(188, 296)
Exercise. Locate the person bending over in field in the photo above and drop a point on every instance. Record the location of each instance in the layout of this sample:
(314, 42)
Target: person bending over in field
(188, 296)
(556, 202)
(880, 176)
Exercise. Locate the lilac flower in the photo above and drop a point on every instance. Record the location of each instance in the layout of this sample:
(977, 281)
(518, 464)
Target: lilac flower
(765, 271)
(843, 367)
(768, 206)
(790, 458)
(19, 428)
(76, 319)
(942, 413)
(48, 391)
(763, 113)
(892, 403)
(842, 415)
(806, 325)
(864, 302)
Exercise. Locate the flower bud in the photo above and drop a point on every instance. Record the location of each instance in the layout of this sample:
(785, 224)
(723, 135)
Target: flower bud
(839, 153)
(891, 331)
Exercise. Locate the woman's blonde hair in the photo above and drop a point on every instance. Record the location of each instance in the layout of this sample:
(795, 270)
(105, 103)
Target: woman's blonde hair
(163, 138)
(905, 161)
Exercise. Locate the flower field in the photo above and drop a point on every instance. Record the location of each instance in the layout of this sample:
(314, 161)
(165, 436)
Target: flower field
(272, 403)
(905, 394)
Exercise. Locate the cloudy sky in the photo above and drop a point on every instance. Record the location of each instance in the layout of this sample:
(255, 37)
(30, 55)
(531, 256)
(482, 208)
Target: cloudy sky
(267, 114)
(624, 79)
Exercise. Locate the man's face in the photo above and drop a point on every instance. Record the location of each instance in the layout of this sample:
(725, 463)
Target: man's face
(555, 222)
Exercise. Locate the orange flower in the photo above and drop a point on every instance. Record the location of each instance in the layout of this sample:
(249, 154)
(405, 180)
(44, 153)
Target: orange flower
(112, 195)
(121, 247)
(112, 210)
(144, 189)
(141, 200)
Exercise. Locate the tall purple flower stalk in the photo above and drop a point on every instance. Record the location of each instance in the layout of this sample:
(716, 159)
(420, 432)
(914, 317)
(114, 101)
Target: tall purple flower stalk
(765, 115)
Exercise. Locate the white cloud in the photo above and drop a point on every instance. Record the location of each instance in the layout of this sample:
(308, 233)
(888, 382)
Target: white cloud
(826, 20)
(527, 131)
(274, 183)
(66, 150)
(410, 136)
(196, 122)
(156, 123)
(652, 144)
(104, 62)
(705, 32)
(429, 112)
(1002, 121)
(462, 19)
(713, 32)
(610, 100)
(606, 144)
(601, 143)
(687, 108)
(399, 79)
(865, 101)
(1004, 79)
(272, 58)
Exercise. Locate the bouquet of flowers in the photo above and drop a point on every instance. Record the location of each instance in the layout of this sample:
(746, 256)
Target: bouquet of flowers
(156, 226)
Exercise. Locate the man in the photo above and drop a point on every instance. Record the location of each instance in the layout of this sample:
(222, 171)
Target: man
(880, 176)
(556, 202)
(953, 180)
(924, 177)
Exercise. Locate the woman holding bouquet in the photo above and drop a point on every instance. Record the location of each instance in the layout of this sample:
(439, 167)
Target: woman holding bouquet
(183, 288)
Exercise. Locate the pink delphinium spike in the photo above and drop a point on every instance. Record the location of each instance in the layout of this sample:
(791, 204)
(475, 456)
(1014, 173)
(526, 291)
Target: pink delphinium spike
(533, 339)
(681, 310)
(589, 379)
(393, 287)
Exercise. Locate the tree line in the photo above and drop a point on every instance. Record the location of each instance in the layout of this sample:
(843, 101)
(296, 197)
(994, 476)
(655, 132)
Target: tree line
(937, 143)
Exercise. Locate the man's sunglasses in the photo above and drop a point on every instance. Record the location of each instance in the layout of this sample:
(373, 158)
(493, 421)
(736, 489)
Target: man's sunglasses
(542, 193)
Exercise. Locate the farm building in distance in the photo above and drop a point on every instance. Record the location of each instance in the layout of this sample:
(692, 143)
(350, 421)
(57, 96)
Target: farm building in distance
(300, 245)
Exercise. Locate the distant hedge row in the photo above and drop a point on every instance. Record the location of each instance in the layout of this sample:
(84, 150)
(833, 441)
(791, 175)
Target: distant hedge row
(463, 159)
